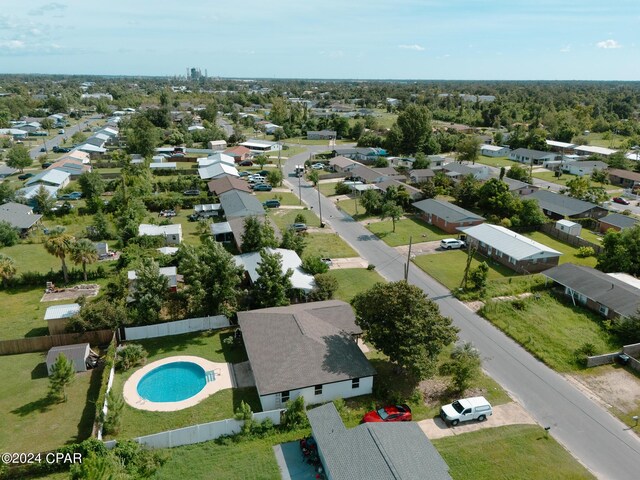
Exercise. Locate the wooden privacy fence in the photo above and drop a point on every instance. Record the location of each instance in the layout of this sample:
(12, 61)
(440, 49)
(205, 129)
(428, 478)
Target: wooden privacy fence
(550, 229)
(44, 343)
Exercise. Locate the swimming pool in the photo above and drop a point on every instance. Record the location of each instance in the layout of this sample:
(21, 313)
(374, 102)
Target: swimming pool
(172, 382)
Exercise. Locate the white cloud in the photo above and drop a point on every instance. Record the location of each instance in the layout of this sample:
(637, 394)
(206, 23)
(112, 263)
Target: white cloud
(608, 44)
(12, 44)
(415, 47)
(566, 49)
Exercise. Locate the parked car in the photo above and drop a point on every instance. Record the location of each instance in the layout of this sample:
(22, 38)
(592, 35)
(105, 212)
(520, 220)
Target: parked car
(191, 193)
(263, 173)
(58, 149)
(317, 166)
(177, 155)
(167, 213)
(298, 227)
(24, 176)
(262, 187)
(621, 201)
(390, 413)
(451, 243)
(243, 174)
(465, 409)
(194, 217)
(43, 149)
(246, 163)
(272, 204)
(61, 131)
(46, 165)
(70, 196)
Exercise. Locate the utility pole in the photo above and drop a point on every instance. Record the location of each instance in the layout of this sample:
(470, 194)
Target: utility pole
(406, 267)
(319, 205)
(299, 186)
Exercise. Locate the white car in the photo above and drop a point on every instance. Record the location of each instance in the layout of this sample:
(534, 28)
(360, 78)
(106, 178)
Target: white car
(451, 243)
(317, 166)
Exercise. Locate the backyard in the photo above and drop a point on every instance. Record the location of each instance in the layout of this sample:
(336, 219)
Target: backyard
(569, 252)
(419, 230)
(496, 161)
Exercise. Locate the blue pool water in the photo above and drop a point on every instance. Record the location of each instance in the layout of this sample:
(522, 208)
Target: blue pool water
(172, 382)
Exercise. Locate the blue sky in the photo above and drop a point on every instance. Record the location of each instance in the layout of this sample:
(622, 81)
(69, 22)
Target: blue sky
(399, 39)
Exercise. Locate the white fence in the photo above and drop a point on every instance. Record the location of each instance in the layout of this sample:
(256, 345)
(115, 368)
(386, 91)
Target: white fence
(176, 328)
(199, 433)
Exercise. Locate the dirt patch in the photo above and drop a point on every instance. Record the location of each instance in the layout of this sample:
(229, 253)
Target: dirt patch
(474, 306)
(421, 248)
(613, 387)
(83, 290)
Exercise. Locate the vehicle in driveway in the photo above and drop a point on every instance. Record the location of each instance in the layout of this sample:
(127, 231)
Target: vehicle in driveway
(46, 165)
(465, 409)
(246, 163)
(621, 201)
(272, 204)
(243, 174)
(317, 166)
(298, 227)
(58, 149)
(262, 187)
(24, 176)
(451, 243)
(191, 193)
(390, 413)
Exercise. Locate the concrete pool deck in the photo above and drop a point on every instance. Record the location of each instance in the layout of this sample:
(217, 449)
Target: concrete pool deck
(223, 380)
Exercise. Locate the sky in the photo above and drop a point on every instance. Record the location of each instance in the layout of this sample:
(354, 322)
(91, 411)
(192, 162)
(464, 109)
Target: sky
(341, 39)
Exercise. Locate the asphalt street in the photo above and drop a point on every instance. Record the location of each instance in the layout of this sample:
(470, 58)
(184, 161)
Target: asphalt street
(35, 152)
(597, 439)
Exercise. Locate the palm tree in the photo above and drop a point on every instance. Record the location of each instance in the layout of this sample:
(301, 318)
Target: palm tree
(7, 268)
(83, 252)
(59, 246)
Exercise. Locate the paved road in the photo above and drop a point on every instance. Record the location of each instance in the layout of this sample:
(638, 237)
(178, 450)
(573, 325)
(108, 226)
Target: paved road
(57, 140)
(226, 126)
(591, 434)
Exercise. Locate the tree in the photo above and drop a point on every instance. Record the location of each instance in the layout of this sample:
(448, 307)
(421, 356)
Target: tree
(8, 234)
(149, 291)
(414, 126)
(295, 417)
(43, 202)
(428, 189)
(313, 265)
(104, 313)
(101, 228)
(7, 269)
(600, 176)
(62, 374)
(530, 214)
(60, 245)
(580, 188)
(326, 286)
(518, 172)
(468, 149)
(257, 235)
(142, 136)
(18, 157)
(244, 414)
(621, 251)
(371, 200)
(113, 419)
(479, 276)
(273, 286)
(464, 366)
(46, 124)
(421, 161)
(292, 241)
(400, 321)
(261, 160)
(7, 193)
(84, 251)
(494, 196)
(78, 137)
(279, 113)
(92, 186)
(466, 192)
(391, 210)
(274, 177)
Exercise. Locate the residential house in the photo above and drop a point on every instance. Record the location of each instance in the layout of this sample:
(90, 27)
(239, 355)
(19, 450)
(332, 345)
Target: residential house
(91, 149)
(98, 139)
(57, 317)
(239, 153)
(617, 222)
(494, 150)
(73, 167)
(218, 145)
(172, 234)
(414, 193)
(51, 178)
(421, 175)
(584, 168)
(446, 216)
(519, 188)
(83, 157)
(225, 184)
(28, 193)
(535, 157)
(20, 217)
(322, 135)
(515, 251)
(343, 164)
(307, 350)
(6, 171)
(588, 150)
(270, 128)
(560, 147)
(236, 203)
(15, 133)
(218, 157)
(300, 280)
(217, 170)
(170, 272)
(381, 451)
(457, 171)
(375, 175)
(557, 206)
(604, 293)
(258, 147)
(81, 356)
(366, 155)
(29, 127)
(624, 178)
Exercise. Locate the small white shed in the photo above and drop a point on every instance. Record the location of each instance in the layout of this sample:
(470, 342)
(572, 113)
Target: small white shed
(569, 227)
(78, 354)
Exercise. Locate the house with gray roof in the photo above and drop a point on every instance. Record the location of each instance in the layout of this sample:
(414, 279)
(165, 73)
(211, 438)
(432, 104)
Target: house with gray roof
(515, 251)
(617, 222)
(308, 350)
(6, 171)
(604, 293)
(584, 167)
(375, 451)
(420, 175)
(343, 164)
(556, 206)
(414, 192)
(300, 280)
(446, 216)
(20, 217)
(322, 135)
(457, 171)
(237, 203)
(528, 156)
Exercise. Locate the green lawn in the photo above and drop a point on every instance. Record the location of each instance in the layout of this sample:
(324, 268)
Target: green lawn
(353, 281)
(218, 406)
(448, 267)
(284, 217)
(496, 161)
(286, 198)
(328, 245)
(550, 176)
(568, 251)
(349, 207)
(29, 423)
(513, 452)
(552, 329)
(32, 257)
(328, 189)
(590, 236)
(501, 287)
(405, 228)
(596, 139)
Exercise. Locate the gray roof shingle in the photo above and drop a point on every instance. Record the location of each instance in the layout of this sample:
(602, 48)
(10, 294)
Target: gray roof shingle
(447, 211)
(619, 220)
(18, 216)
(561, 204)
(236, 203)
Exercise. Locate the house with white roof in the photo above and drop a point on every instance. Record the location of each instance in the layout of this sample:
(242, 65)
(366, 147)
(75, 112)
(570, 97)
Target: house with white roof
(528, 156)
(594, 150)
(51, 178)
(217, 170)
(29, 192)
(172, 234)
(261, 146)
(515, 251)
(494, 150)
(218, 157)
(290, 260)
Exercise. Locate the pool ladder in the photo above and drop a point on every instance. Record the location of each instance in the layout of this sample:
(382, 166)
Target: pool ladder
(210, 376)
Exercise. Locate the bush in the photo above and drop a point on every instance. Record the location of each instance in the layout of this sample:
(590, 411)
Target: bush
(112, 420)
(300, 218)
(342, 189)
(129, 356)
(8, 235)
(371, 267)
(314, 265)
(295, 416)
(586, 350)
(584, 252)
(326, 287)
(519, 304)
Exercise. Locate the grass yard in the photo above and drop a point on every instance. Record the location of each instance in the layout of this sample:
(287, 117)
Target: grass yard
(405, 228)
(32, 257)
(551, 328)
(496, 161)
(218, 406)
(505, 286)
(514, 452)
(285, 217)
(549, 176)
(352, 281)
(448, 267)
(328, 245)
(596, 139)
(590, 236)
(568, 251)
(349, 207)
(286, 198)
(29, 423)
(328, 189)
(190, 233)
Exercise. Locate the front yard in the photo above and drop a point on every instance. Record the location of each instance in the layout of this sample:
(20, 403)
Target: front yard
(352, 281)
(406, 228)
(496, 161)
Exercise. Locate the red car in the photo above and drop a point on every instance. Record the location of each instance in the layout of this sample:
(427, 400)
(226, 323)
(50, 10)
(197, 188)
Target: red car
(620, 200)
(390, 413)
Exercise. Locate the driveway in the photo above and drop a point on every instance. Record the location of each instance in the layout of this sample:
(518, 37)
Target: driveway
(510, 413)
(422, 248)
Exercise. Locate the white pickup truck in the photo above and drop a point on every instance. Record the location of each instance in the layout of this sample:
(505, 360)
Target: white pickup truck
(474, 408)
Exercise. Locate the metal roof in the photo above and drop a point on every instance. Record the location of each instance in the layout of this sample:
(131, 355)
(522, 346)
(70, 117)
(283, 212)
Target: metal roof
(220, 228)
(617, 295)
(18, 216)
(595, 149)
(162, 230)
(509, 243)
(290, 260)
(375, 451)
(447, 211)
(554, 143)
(535, 154)
(217, 170)
(53, 176)
(61, 311)
(302, 345)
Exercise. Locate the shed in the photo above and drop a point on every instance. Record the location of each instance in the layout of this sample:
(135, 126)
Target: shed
(79, 354)
(58, 316)
(571, 228)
